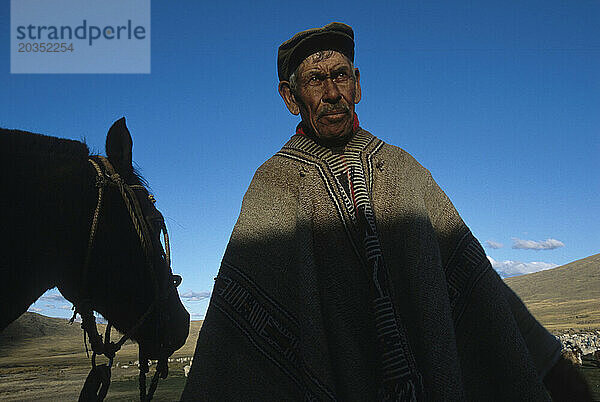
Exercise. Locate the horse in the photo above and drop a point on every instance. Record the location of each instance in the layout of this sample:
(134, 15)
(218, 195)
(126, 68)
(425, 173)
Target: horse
(87, 225)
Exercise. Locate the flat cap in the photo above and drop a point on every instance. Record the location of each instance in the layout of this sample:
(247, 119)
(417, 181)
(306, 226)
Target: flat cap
(335, 36)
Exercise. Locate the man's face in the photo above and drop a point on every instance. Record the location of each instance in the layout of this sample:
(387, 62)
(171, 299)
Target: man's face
(326, 93)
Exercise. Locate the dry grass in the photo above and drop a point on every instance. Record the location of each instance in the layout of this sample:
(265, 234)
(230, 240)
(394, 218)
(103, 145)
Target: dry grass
(47, 361)
(567, 297)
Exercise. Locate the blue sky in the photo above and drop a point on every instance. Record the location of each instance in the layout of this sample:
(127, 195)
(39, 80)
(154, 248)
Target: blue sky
(499, 100)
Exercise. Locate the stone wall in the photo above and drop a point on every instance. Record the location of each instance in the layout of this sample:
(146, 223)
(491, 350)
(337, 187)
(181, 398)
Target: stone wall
(588, 342)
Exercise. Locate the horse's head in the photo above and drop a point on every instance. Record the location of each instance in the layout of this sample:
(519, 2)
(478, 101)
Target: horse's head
(131, 282)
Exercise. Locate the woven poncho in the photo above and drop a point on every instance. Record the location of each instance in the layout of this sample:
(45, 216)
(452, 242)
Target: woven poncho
(349, 275)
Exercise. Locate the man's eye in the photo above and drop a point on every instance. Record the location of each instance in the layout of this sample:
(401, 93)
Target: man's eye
(341, 76)
(314, 80)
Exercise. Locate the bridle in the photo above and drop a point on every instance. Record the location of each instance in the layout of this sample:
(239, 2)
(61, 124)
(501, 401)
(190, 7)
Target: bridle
(98, 380)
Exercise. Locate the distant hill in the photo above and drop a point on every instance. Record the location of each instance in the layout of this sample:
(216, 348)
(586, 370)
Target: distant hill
(564, 297)
(33, 333)
(33, 325)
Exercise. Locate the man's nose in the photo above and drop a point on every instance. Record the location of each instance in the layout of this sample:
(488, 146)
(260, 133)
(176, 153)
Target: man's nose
(332, 93)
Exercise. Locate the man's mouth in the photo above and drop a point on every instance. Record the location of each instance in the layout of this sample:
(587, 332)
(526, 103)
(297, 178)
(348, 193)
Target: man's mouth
(333, 118)
(334, 115)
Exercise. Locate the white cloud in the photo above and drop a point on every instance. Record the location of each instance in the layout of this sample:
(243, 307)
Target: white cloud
(197, 316)
(493, 244)
(548, 244)
(66, 307)
(194, 296)
(35, 309)
(100, 319)
(54, 297)
(512, 268)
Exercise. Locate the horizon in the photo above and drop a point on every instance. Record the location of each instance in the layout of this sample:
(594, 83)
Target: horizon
(102, 320)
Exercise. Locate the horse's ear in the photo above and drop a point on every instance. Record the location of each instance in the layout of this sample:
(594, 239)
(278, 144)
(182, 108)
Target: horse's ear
(119, 145)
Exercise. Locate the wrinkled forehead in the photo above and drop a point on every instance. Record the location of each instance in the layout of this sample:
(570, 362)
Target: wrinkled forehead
(324, 58)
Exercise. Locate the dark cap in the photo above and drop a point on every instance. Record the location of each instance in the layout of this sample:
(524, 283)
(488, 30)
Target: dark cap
(335, 36)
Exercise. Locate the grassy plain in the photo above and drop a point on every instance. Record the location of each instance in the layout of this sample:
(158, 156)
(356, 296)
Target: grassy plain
(563, 298)
(44, 358)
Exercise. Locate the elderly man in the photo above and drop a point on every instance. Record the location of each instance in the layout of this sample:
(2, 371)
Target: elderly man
(350, 276)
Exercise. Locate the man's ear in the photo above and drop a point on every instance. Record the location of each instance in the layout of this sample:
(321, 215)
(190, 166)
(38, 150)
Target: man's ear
(357, 90)
(288, 97)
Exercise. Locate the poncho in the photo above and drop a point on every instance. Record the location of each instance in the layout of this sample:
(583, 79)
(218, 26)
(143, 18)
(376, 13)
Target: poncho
(350, 276)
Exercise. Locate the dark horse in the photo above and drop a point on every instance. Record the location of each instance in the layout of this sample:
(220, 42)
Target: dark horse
(103, 256)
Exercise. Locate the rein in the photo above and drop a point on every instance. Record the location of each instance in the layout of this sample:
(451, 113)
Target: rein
(98, 380)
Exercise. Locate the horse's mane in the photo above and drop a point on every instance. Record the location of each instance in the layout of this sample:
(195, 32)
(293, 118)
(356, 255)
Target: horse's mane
(26, 143)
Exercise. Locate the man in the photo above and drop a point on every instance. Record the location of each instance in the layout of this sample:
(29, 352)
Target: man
(349, 274)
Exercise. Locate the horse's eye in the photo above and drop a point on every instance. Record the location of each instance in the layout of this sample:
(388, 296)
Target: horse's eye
(156, 222)
(176, 280)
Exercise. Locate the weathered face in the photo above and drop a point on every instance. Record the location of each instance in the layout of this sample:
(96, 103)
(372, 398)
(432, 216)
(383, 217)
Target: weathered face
(325, 94)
